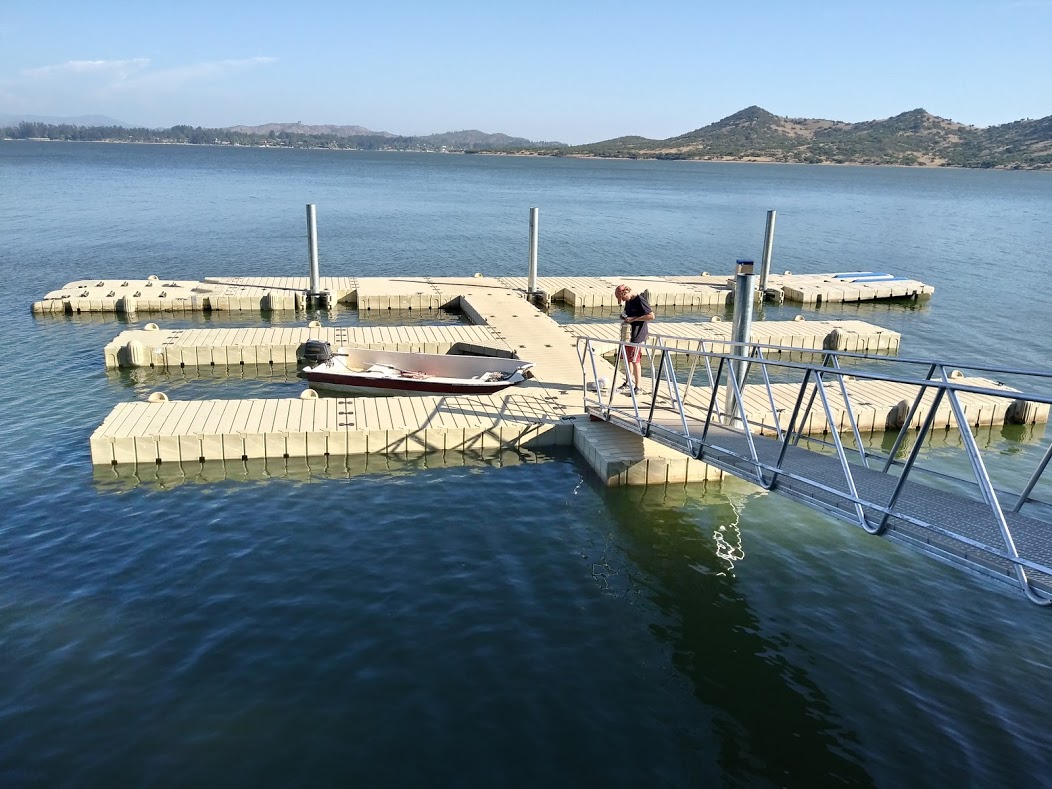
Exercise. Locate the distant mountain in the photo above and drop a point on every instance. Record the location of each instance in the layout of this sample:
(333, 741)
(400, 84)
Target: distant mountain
(278, 135)
(467, 140)
(303, 128)
(472, 139)
(912, 138)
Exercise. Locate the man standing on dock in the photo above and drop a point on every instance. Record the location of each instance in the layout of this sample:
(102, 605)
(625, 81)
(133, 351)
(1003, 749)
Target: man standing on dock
(636, 312)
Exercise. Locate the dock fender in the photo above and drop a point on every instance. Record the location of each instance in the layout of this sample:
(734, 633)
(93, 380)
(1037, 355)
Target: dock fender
(897, 415)
(133, 354)
(836, 340)
(1021, 412)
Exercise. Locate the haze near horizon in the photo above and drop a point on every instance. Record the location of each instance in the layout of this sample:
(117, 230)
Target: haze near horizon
(573, 73)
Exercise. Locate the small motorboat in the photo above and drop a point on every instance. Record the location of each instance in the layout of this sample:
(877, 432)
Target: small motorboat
(365, 371)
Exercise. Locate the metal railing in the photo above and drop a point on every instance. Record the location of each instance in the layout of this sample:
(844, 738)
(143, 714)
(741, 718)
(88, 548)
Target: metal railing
(793, 421)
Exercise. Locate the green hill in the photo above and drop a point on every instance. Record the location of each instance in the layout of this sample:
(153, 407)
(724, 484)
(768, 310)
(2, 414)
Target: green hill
(912, 138)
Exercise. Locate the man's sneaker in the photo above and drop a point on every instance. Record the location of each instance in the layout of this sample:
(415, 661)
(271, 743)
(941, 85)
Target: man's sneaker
(625, 389)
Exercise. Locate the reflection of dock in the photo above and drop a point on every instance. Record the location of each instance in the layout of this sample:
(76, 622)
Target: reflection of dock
(301, 469)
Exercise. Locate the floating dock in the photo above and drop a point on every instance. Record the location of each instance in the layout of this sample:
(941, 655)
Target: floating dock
(818, 289)
(192, 432)
(166, 348)
(257, 294)
(544, 411)
(878, 406)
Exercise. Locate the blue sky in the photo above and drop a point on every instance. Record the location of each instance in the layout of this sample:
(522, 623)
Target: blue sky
(574, 72)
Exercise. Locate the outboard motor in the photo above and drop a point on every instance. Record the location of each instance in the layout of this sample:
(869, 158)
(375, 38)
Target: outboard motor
(316, 351)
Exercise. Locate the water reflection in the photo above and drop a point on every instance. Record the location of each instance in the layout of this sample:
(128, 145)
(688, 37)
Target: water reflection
(728, 539)
(773, 723)
(168, 476)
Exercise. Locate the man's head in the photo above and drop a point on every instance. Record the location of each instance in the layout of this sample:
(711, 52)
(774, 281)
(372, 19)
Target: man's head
(622, 293)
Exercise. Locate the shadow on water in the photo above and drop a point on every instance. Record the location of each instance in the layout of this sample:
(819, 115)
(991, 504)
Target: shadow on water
(168, 476)
(773, 723)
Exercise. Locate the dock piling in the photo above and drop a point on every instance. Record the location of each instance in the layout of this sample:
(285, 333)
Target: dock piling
(315, 296)
(741, 329)
(768, 246)
(538, 297)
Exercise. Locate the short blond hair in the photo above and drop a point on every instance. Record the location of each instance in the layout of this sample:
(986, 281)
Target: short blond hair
(619, 292)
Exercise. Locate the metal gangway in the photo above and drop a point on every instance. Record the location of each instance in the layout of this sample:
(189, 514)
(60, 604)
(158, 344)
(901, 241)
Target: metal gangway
(909, 449)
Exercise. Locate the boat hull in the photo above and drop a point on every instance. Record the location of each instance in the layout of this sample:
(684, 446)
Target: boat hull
(362, 371)
(394, 387)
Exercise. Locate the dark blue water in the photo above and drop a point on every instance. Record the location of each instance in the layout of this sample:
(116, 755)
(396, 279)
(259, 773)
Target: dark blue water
(498, 619)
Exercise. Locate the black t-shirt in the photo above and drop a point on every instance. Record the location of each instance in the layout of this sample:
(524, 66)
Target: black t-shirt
(637, 307)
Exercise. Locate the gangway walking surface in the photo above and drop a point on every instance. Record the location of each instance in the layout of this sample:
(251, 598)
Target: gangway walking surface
(730, 410)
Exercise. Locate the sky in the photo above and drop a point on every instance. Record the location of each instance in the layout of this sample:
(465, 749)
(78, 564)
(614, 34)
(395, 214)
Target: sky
(574, 72)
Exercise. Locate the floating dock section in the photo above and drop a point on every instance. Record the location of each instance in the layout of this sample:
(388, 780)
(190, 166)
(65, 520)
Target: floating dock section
(818, 289)
(164, 348)
(153, 346)
(257, 294)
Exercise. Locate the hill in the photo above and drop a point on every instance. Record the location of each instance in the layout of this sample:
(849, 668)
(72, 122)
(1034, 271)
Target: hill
(912, 138)
(279, 135)
(303, 128)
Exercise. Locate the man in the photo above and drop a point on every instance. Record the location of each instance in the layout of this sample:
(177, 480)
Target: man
(636, 312)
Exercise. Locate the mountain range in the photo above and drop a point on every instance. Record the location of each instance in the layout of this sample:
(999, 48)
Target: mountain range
(468, 139)
(915, 138)
(912, 138)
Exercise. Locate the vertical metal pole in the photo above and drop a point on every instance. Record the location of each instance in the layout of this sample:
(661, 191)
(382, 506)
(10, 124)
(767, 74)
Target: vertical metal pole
(312, 249)
(531, 280)
(768, 245)
(741, 330)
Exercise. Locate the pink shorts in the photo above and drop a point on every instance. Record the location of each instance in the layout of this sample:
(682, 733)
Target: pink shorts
(634, 353)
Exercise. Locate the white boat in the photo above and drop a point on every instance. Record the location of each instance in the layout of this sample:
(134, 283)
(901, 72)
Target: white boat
(364, 371)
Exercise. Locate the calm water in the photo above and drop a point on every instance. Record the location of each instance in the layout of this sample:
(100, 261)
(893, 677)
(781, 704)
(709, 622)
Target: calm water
(496, 620)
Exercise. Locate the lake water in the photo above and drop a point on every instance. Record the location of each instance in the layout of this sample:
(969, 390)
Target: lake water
(495, 620)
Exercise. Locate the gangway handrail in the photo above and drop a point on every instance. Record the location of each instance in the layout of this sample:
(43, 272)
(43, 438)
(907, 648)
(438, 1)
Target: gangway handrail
(863, 374)
(906, 360)
(735, 363)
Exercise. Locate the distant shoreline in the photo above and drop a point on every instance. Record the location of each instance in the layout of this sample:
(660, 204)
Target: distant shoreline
(526, 154)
